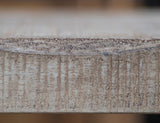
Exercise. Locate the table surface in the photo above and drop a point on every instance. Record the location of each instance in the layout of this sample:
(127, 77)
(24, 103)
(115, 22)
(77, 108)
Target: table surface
(87, 61)
(89, 24)
(78, 32)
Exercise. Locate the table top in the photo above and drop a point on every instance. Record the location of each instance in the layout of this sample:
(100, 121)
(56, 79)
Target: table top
(78, 32)
(104, 83)
(82, 24)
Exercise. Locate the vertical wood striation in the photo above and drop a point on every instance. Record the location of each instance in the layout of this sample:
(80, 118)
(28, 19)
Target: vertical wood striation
(2, 70)
(157, 81)
(59, 84)
(66, 83)
(126, 82)
(38, 91)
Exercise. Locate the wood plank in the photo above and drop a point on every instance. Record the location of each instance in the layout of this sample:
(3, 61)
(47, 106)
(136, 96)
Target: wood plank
(62, 62)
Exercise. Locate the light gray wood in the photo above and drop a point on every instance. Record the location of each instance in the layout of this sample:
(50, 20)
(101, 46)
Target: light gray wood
(55, 63)
(142, 24)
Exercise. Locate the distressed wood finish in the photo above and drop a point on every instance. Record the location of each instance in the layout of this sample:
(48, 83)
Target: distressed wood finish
(46, 74)
(125, 81)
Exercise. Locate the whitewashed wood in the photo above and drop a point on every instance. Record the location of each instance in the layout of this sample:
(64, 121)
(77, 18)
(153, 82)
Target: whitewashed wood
(76, 24)
(79, 71)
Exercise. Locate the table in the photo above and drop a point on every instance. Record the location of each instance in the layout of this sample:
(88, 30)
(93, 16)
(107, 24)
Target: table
(68, 61)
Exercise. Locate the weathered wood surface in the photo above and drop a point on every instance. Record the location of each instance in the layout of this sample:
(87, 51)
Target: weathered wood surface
(84, 64)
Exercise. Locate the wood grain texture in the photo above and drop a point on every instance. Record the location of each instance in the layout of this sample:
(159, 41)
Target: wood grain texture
(46, 74)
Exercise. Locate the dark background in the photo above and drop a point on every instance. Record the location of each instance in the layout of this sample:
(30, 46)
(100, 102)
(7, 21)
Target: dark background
(123, 4)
